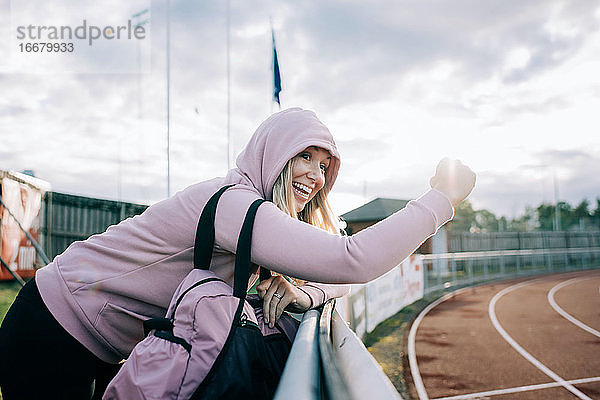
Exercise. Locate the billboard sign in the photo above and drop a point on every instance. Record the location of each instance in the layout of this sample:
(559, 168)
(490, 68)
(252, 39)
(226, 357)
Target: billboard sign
(22, 199)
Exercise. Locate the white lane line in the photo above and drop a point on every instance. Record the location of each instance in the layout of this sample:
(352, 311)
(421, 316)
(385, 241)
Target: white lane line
(565, 314)
(518, 389)
(521, 350)
(412, 354)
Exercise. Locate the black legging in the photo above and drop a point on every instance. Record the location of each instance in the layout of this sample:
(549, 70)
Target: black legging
(41, 360)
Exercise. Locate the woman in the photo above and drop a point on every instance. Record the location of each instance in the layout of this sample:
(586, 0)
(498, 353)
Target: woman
(301, 193)
(83, 312)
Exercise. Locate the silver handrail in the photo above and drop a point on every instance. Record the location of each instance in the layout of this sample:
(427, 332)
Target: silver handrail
(450, 270)
(326, 347)
(334, 384)
(301, 378)
(503, 253)
(364, 376)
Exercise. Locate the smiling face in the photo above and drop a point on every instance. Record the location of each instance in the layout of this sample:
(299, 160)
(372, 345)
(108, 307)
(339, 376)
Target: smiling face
(308, 174)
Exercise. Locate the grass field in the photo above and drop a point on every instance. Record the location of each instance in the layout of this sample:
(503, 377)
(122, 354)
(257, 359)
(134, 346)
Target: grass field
(8, 292)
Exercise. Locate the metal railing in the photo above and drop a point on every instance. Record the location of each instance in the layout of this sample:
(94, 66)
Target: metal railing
(328, 361)
(443, 271)
(301, 378)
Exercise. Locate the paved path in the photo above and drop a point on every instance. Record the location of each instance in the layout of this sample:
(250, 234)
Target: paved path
(537, 338)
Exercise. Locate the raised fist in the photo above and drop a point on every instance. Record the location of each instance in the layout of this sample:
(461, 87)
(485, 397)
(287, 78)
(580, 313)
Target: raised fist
(454, 179)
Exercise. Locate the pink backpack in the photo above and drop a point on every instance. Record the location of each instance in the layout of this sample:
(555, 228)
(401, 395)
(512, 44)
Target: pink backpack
(210, 344)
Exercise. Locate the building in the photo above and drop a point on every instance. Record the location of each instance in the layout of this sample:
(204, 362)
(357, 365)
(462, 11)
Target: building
(375, 210)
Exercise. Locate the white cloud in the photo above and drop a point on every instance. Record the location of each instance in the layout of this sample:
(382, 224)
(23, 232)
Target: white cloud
(502, 85)
(517, 58)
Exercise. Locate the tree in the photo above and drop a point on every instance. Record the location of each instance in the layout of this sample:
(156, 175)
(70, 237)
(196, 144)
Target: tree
(464, 218)
(581, 213)
(596, 215)
(567, 219)
(525, 222)
(502, 224)
(545, 216)
(486, 220)
(570, 218)
(540, 218)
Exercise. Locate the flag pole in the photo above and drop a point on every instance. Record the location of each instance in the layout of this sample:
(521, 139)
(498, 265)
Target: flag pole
(276, 74)
(229, 146)
(272, 36)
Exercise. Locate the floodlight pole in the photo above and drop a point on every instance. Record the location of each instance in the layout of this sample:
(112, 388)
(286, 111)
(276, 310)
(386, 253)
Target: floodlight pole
(168, 34)
(557, 209)
(137, 16)
(229, 144)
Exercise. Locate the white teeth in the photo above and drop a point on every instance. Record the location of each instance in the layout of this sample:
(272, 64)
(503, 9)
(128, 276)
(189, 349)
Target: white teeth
(302, 190)
(303, 187)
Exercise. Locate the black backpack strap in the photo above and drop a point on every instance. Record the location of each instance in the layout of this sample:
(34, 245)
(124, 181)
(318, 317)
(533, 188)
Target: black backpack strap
(162, 324)
(163, 328)
(205, 232)
(242, 254)
(168, 335)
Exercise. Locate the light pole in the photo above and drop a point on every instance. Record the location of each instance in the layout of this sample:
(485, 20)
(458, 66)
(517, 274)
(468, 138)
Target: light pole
(229, 144)
(557, 209)
(138, 16)
(168, 45)
(139, 59)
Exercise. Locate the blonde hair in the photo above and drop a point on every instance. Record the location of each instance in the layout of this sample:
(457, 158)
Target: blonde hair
(316, 212)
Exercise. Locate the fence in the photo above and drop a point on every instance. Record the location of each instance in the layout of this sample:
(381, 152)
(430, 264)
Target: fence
(368, 305)
(443, 271)
(467, 242)
(65, 218)
(329, 361)
(53, 219)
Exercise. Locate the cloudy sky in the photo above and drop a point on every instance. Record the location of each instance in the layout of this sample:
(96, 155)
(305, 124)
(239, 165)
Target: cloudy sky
(511, 87)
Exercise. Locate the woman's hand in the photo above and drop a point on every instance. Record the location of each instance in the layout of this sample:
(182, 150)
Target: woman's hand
(454, 179)
(277, 293)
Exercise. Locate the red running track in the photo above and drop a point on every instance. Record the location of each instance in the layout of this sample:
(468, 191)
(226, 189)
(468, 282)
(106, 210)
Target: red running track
(536, 338)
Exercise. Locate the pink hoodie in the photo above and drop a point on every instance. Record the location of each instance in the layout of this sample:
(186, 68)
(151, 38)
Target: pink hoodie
(101, 289)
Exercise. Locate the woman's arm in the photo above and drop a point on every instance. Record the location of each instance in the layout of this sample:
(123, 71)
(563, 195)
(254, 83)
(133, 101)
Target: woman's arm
(294, 248)
(297, 249)
(279, 294)
(319, 293)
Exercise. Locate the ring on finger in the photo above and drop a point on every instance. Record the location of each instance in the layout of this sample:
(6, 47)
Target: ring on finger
(278, 295)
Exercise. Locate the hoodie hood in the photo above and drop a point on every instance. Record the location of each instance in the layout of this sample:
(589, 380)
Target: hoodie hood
(279, 138)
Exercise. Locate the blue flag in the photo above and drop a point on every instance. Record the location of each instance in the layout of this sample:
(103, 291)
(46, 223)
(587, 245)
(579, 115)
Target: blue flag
(276, 76)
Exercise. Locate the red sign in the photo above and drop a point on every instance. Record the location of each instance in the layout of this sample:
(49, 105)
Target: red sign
(22, 201)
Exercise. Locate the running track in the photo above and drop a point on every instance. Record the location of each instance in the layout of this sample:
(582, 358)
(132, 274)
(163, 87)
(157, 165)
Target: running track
(537, 338)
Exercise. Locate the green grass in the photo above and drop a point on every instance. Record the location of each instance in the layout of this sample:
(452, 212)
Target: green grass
(8, 292)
